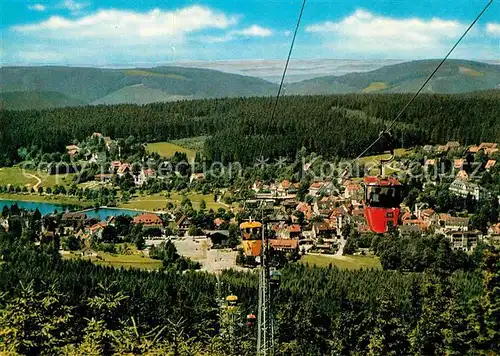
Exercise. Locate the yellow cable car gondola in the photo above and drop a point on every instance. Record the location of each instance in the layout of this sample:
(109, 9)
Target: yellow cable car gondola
(251, 235)
(232, 301)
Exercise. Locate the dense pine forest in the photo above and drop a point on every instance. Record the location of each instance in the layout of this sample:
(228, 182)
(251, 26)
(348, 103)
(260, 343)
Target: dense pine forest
(52, 306)
(239, 129)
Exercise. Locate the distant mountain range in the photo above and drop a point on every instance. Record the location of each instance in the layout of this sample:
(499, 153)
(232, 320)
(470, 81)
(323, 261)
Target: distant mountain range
(114, 86)
(455, 76)
(49, 87)
(298, 69)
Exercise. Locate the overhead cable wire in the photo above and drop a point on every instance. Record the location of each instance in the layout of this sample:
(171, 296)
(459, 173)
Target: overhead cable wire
(391, 124)
(280, 88)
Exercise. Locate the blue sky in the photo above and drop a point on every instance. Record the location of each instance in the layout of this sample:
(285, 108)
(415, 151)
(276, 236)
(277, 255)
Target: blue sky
(149, 32)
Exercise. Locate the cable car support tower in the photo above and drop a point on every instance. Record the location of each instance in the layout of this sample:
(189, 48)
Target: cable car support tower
(265, 331)
(267, 282)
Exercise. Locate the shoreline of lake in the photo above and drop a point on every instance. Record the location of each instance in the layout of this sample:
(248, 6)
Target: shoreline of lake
(49, 207)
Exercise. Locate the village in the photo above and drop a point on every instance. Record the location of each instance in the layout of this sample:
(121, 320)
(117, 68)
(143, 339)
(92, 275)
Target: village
(314, 216)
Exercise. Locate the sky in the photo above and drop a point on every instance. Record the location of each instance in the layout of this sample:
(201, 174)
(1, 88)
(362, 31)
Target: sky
(150, 32)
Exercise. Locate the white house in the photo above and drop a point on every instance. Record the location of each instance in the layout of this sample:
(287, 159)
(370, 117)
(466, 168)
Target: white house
(463, 188)
(317, 188)
(143, 176)
(464, 240)
(456, 224)
(198, 177)
(4, 223)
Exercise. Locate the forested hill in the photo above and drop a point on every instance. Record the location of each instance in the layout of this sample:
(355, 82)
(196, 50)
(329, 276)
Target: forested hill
(240, 129)
(455, 76)
(47, 87)
(26, 100)
(137, 86)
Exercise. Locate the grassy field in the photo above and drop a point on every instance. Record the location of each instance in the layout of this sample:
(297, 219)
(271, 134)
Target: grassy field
(399, 152)
(168, 149)
(56, 199)
(52, 180)
(15, 176)
(345, 262)
(18, 176)
(376, 86)
(374, 161)
(159, 201)
(117, 260)
(470, 72)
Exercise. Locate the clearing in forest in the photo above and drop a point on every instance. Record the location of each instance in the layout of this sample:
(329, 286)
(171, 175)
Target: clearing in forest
(344, 262)
(470, 72)
(17, 176)
(118, 260)
(375, 86)
(159, 201)
(168, 149)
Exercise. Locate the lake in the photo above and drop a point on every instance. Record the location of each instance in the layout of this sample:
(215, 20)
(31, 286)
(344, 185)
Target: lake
(49, 208)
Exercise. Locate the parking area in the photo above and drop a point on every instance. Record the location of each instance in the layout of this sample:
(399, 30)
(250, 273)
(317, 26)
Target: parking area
(199, 249)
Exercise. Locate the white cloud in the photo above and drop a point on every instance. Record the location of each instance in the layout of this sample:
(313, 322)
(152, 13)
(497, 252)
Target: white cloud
(73, 6)
(37, 7)
(217, 39)
(364, 32)
(129, 26)
(118, 36)
(493, 29)
(252, 31)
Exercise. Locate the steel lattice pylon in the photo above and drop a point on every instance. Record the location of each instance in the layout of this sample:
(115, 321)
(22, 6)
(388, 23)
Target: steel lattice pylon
(265, 331)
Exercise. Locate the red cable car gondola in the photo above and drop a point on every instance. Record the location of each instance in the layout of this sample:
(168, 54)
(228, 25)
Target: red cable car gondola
(382, 195)
(251, 318)
(382, 200)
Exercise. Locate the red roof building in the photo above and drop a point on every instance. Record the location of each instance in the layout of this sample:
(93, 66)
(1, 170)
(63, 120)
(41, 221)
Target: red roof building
(148, 219)
(428, 214)
(406, 216)
(124, 168)
(218, 222)
(458, 163)
(488, 148)
(97, 228)
(417, 222)
(72, 150)
(306, 209)
(199, 177)
(352, 189)
(494, 229)
(294, 228)
(379, 181)
(490, 164)
(487, 145)
(285, 184)
(149, 172)
(474, 149)
(287, 245)
(184, 223)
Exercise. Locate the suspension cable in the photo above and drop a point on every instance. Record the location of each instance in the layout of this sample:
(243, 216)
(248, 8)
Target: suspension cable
(391, 124)
(275, 105)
